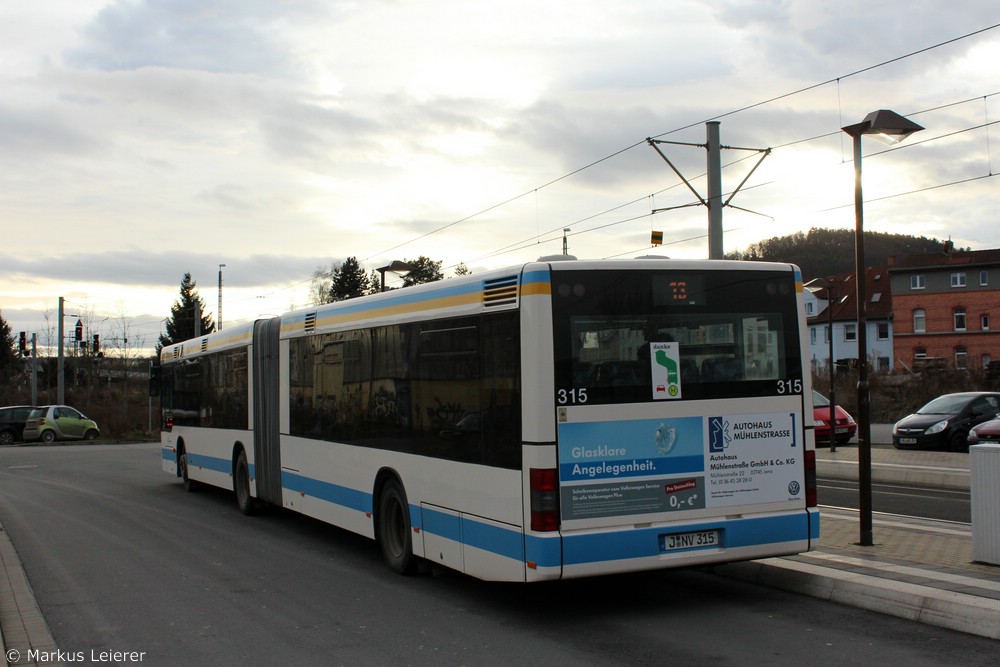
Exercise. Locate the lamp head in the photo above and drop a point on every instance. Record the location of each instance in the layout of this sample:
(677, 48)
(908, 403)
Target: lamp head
(885, 126)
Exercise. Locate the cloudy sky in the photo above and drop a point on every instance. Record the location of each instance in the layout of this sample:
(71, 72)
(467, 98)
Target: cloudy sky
(142, 139)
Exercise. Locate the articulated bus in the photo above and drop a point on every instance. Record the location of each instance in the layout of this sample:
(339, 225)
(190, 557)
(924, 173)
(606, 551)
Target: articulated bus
(553, 420)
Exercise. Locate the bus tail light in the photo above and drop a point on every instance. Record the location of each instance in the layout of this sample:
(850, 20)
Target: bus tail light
(168, 424)
(811, 478)
(544, 499)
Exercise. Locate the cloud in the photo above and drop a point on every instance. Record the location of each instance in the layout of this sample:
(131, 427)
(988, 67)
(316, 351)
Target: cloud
(134, 266)
(207, 35)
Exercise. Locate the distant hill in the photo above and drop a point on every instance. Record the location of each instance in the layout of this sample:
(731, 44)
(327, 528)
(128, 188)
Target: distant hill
(827, 252)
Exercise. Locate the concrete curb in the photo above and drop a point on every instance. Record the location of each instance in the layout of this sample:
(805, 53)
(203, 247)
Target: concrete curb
(941, 608)
(19, 612)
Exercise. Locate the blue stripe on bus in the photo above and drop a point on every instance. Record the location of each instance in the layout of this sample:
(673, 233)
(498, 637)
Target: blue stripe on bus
(539, 276)
(602, 547)
(503, 541)
(545, 551)
(210, 463)
(333, 493)
(168, 454)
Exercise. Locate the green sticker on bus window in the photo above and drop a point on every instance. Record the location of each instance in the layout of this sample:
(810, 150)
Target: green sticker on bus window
(664, 364)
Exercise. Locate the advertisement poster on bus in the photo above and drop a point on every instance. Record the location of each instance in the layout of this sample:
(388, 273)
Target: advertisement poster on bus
(647, 466)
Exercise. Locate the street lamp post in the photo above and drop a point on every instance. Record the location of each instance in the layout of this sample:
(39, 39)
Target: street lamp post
(219, 313)
(889, 127)
(396, 266)
(833, 379)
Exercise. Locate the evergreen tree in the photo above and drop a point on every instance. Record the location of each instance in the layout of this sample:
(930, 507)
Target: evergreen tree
(180, 325)
(8, 353)
(349, 281)
(423, 270)
(374, 282)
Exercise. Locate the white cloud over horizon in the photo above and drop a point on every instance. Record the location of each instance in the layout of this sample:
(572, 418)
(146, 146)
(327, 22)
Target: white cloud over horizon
(142, 139)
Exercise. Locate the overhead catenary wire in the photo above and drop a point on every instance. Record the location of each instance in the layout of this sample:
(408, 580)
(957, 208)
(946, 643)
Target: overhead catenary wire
(738, 110)
(535, 190)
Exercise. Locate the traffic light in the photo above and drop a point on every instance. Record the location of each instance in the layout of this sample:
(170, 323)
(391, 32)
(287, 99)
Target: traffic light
(79, 331)
(22, 344)
(97, 344)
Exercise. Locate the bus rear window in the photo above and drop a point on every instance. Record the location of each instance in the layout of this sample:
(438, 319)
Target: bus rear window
(655, 335)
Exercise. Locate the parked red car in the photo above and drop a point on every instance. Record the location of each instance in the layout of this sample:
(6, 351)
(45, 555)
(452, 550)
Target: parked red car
(985, 434)
(844, 426)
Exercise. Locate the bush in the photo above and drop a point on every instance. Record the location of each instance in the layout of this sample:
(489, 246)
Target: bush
(119, 417)
(895, 395)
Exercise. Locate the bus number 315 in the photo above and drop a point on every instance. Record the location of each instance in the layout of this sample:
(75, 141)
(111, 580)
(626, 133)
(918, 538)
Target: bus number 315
(572, 396)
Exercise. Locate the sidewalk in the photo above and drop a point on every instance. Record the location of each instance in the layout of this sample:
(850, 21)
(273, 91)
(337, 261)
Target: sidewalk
(918, 569)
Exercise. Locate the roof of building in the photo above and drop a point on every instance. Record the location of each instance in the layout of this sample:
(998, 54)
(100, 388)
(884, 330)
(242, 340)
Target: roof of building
(878, 295)
(945, 259)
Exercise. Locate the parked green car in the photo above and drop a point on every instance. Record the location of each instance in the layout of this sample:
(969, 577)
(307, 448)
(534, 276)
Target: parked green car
(59, 422)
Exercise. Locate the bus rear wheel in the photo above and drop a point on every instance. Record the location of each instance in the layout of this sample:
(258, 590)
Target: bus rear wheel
(182, 472)
(241, 482)
(394, 535)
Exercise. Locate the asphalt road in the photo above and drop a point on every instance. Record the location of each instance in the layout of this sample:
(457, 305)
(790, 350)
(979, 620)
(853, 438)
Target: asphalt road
(941, 504)
(121, 558)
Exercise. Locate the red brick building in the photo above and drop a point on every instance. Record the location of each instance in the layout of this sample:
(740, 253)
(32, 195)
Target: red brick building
(946, 307)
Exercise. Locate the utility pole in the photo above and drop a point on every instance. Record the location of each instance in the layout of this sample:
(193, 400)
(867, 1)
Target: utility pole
(714, 202)
(221, 266)
(61, 364)
(714, 191)
(34, 369)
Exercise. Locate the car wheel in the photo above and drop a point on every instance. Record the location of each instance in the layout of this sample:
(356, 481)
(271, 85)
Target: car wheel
(90, 435)
(6, 438)
(48, 436)
(957, 443)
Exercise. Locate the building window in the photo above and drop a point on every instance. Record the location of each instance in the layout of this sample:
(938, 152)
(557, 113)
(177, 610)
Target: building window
(826, 334)
(961, 358)
(919, 321)
(918, 282)
(959, 319)
(958, 279)
(920, 353)
(986, 360)
(984, 278)
(850, 332)
(809, 308)
(882, 330)
(984, 321)
(812, 336)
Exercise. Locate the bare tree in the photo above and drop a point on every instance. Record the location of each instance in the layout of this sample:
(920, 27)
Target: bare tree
(127, 348)
(319, 288)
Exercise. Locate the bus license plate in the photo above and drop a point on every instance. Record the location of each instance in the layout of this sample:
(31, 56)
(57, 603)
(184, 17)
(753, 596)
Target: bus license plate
(682, 541)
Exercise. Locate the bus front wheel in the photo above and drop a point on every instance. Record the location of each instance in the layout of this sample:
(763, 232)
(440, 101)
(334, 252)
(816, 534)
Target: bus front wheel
(241, 481)
(394, 535)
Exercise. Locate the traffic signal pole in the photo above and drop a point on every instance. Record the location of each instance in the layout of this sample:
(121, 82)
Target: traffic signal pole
(61, 366)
